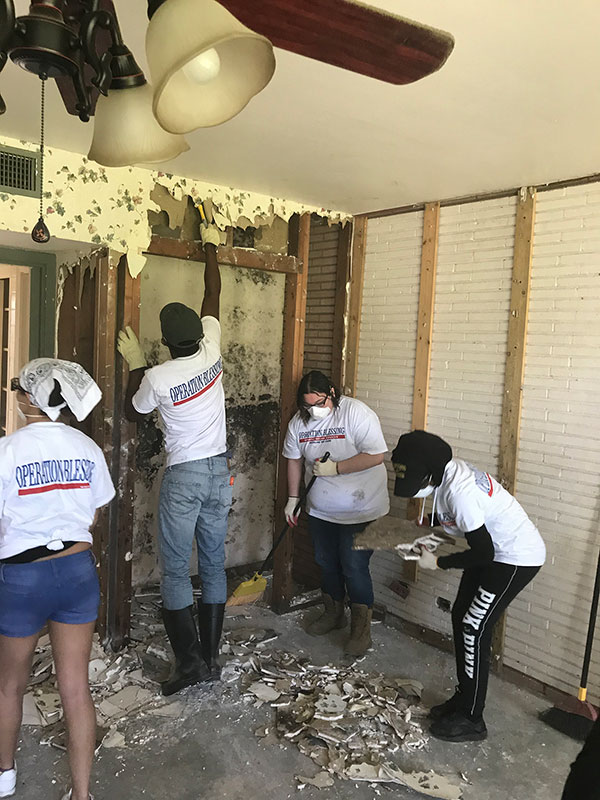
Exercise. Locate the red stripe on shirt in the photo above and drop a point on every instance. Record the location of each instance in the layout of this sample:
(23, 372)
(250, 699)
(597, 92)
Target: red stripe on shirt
(323, 438)
(491, 491)
(206, 388)
(52, 487)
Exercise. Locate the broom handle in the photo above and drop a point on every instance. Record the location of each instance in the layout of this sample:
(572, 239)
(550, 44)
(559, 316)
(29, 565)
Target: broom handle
(590, 635)
(301, 499)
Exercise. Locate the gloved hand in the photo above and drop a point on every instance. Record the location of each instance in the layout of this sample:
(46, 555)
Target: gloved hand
(289, 511)
(325, 469)
(427, 560)
(129, 347)
(210, 234)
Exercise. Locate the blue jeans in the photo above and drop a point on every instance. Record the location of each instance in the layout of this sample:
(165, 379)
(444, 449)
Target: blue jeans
(195, 498)
(342, 568)
(64, 589)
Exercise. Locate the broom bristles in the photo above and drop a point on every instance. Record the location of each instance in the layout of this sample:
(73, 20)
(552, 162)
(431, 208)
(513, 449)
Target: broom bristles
(244, 599)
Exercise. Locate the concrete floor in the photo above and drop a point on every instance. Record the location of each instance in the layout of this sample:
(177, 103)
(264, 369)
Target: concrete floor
(212, 752)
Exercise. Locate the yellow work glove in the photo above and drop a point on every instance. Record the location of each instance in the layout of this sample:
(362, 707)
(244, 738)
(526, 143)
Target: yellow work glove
(210, 234)
(130, 349)
(290, 507)
(325, 469)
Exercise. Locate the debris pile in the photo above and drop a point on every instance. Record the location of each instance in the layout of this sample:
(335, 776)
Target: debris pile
(347, 721)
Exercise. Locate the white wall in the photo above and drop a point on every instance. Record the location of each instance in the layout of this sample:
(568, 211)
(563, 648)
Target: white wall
(559, 464)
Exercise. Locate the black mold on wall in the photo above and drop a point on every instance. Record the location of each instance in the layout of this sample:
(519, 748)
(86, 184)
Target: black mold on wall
(252, 433)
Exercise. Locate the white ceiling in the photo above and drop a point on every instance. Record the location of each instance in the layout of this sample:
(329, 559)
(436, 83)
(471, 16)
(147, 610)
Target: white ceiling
(517, 103)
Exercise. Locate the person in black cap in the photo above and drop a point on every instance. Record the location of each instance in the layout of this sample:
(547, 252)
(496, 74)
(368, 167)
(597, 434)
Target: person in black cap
(505, 553)
(195, 494)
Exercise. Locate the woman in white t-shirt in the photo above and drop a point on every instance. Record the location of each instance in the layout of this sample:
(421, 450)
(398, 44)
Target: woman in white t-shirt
(351, 491)
(505, 553)
(53, 479)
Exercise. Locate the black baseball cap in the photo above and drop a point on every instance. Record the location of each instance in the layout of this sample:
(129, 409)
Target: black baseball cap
(418, 456)
(180, 325)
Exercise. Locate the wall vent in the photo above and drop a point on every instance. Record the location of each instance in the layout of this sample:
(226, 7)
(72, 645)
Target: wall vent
(19, 171)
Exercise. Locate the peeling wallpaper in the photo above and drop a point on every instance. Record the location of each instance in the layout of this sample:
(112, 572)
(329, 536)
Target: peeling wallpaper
(252, 331)
(85, 202)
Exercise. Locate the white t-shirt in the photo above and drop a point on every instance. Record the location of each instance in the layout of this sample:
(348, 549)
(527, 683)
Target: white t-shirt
(188, 393)
(52, 480)
(469, 498)
(350, 429)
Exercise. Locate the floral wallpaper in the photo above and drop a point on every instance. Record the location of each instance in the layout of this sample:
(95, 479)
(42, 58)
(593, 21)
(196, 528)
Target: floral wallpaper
(85, 202)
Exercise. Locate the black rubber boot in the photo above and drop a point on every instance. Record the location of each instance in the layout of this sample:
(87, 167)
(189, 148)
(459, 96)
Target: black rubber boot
(189, 665)
(210, 622)
(454, 703)
(458, 727)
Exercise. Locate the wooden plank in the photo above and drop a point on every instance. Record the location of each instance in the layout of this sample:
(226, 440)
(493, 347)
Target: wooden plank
(512, 402)
(119, 617)
(229, 256)
(294, 316)
(431, 223)
(104, 414)
(342, 278)
(355, 304)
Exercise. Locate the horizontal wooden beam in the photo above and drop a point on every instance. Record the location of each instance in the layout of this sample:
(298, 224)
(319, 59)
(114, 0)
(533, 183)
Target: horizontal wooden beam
(229, 256)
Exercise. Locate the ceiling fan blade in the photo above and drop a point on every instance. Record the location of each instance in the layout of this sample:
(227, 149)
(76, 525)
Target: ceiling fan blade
(349, 35)
(74, 11)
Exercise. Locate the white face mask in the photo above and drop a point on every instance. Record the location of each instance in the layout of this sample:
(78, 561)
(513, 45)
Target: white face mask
(319, 412)
(425, 492)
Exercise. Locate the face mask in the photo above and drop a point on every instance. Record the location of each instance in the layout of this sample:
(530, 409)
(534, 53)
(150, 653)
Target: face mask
(319, 412)
(424, 492)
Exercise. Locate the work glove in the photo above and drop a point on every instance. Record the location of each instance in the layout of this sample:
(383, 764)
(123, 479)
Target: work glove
(129, 347)
(427, 560)
(325, 469)
(289, 511)
(210, 234)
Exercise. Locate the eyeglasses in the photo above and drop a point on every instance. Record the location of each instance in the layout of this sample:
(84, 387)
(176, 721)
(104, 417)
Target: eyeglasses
(318, 404)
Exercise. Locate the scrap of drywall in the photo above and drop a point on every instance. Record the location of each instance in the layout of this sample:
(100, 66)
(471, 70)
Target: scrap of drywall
(109, 207)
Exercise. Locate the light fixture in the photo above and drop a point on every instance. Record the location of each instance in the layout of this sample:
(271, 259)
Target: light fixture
(127, 108)
(78, 42)
(205, 65)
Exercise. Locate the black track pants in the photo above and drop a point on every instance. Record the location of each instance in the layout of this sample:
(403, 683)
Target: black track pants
(483, 595)
(583, 782)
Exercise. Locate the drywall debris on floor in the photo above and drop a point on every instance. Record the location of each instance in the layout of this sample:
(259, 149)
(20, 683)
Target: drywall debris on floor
(354, 725)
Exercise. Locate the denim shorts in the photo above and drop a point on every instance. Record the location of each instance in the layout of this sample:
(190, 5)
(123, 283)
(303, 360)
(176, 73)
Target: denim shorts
(64, 589)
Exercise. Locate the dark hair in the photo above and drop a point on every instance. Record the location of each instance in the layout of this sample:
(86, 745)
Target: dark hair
(315, 381)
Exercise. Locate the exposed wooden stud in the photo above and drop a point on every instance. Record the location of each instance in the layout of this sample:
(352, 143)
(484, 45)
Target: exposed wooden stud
(342, 278)
(119, 615)
(294, 316)
(431, 222)
(103, 417)
(229, 256)
(512, 402)
(355, 304)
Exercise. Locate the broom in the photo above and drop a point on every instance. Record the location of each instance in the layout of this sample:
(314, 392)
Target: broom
(253, 589)
(575, 717)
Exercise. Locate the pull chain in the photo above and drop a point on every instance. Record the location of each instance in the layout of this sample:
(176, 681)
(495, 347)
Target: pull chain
(40, 233)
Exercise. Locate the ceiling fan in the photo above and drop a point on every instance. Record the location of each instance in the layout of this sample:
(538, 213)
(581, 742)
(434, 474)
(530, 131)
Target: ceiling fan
(207, 60)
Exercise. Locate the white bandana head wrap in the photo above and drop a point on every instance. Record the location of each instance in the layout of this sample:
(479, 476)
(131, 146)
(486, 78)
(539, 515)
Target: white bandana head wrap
(79, 390)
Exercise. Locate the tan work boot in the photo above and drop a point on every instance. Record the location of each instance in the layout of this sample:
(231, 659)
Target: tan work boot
(360, 630)
(333, 617)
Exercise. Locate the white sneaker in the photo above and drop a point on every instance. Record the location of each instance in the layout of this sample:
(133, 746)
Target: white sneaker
(8, 782)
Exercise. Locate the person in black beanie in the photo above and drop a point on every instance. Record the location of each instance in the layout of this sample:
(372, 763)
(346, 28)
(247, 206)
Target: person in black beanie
(505, 553)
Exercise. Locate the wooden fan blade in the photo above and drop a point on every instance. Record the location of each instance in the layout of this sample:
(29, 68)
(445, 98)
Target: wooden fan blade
(73, 14)
(349, 35)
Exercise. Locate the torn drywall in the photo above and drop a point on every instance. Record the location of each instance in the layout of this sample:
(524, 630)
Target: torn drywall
(105, 206)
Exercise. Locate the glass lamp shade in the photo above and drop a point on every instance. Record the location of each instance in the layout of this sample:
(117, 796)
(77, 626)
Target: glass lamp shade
(205, 65)
(126, 132)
